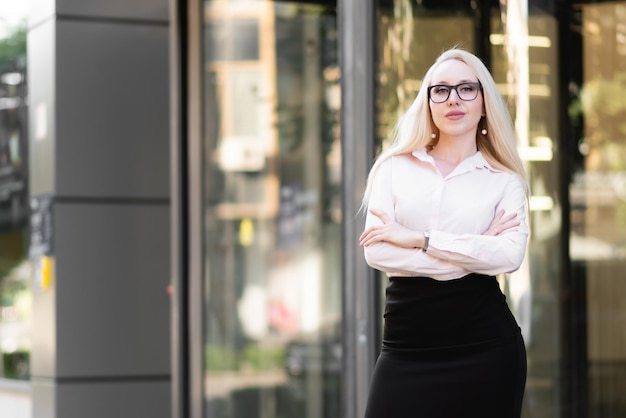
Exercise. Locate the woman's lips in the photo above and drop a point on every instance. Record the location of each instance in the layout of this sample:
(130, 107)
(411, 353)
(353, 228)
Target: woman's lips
(455, 115)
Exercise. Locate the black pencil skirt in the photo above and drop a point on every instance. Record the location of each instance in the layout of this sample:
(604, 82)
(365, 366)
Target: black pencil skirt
(451, 349)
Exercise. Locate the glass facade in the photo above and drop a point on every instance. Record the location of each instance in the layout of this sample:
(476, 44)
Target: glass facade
(15, 267)
(272, 243)
(271, 280)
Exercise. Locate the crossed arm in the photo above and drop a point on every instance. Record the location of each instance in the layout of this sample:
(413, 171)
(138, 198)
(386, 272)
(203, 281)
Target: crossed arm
(394, 233)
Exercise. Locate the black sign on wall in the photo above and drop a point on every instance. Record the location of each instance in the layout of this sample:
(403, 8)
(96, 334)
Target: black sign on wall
(41, 226)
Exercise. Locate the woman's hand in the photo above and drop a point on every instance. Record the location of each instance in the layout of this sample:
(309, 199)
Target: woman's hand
(502, 224)
(391, 232)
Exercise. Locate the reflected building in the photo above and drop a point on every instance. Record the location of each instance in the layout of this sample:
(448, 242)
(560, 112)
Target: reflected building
(270, 156)
(15, 267)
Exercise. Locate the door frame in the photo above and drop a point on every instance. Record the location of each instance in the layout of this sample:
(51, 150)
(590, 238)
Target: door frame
(357, 38)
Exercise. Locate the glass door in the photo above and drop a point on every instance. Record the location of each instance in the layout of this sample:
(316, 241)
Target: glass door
(271, 213)
(598, 199)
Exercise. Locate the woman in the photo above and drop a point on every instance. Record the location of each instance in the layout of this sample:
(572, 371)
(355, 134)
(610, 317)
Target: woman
(446, 212)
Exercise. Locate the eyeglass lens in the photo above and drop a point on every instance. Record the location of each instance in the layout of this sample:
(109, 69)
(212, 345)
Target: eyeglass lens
(466, 91)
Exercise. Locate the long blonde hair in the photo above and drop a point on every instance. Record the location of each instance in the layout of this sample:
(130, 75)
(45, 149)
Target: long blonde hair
(415, 127)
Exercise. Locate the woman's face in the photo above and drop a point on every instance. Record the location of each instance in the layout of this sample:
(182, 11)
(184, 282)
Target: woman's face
(453, 116)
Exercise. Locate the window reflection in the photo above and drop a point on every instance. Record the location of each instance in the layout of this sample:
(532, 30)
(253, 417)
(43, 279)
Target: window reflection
(15, 269)
(526, 70)
(598, 236)
(272, 285)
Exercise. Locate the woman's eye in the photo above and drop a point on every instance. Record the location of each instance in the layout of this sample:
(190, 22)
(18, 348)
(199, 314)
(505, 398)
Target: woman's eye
(441, 90)
(467, 88)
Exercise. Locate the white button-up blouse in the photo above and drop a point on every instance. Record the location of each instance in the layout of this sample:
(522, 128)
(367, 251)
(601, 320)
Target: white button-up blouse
(457, 209)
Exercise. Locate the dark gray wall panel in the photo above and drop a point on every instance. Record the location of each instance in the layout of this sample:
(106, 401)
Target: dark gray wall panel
(133, 9)
(112, 110)
(114, 400)
(112, 301)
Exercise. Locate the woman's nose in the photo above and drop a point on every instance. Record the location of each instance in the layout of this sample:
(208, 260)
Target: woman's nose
(453, 97)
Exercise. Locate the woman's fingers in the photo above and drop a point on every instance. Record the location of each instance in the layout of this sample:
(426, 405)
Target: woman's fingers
(389, 231)
(502, 223)
(508, 217)
(370, 234)
(368, 238)
(381, 215)
(498, 216)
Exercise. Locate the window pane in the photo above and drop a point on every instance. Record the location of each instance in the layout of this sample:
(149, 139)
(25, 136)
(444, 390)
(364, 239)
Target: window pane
(528, 80)
(15, 267)
(272, 272)
(232, 40)
(598, 236)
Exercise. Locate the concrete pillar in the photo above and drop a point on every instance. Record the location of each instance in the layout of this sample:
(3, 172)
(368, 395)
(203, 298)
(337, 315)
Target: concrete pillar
(99, 149)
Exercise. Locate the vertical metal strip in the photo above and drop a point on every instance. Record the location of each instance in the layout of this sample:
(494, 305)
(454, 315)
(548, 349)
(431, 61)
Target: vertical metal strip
(177, 221)
(195, 208)
(573, 392)
(357, 49)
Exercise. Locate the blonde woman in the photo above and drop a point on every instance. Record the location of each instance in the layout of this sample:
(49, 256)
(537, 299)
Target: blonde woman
(446, 212)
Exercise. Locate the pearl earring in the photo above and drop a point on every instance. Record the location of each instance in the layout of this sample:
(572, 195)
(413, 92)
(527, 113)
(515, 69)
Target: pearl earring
(433, 135)
(484, 131)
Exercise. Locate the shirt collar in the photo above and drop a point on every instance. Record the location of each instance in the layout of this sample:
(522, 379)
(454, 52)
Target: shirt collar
(476, 161)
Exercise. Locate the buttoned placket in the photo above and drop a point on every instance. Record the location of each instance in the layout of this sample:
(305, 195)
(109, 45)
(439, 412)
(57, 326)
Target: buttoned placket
(467, 165)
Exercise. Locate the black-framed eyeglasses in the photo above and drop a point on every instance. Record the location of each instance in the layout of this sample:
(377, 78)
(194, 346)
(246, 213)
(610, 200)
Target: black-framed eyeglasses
(467, 91)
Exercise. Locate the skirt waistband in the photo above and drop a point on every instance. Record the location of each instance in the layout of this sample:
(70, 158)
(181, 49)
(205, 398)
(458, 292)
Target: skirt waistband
(421, 312)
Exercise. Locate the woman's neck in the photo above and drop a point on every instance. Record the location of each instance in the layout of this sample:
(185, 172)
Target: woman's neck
(453, 152)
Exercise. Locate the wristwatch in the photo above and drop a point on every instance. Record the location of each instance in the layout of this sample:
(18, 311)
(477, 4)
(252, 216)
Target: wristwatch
(426, 240)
